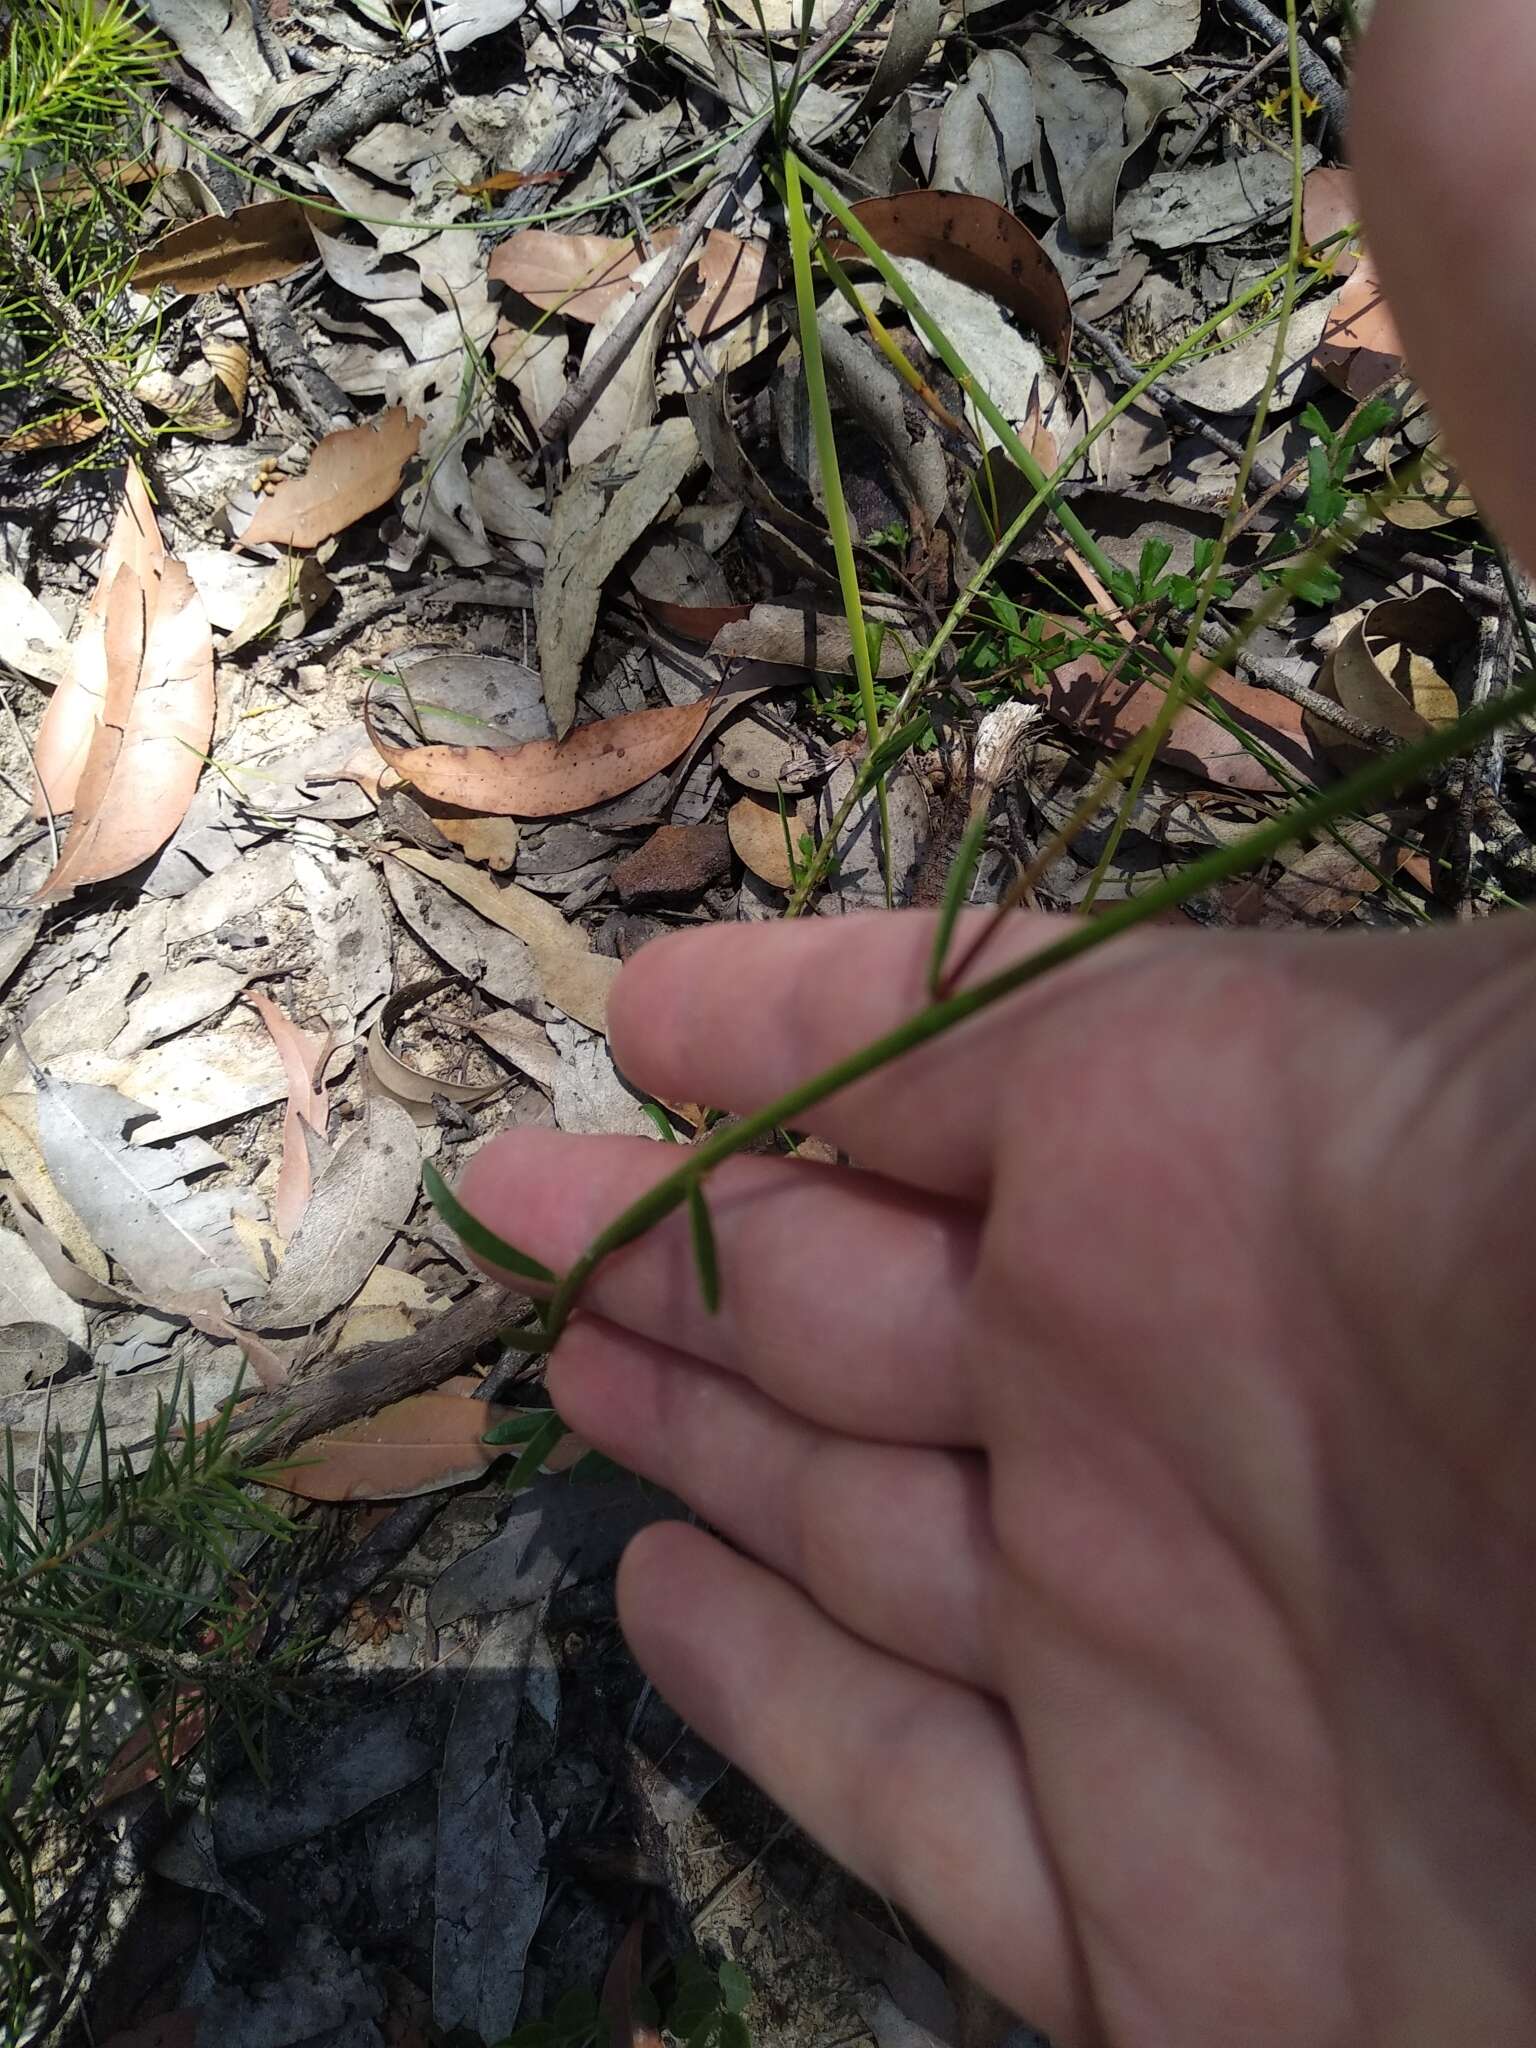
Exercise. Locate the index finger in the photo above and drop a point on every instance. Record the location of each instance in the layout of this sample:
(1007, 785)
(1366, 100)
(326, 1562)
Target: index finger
(735, 1016)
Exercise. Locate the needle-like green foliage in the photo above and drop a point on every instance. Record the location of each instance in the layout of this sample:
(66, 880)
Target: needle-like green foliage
(129, 1608)
(67, 239)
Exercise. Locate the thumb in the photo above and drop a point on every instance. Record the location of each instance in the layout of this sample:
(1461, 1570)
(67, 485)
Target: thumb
(1441, 131)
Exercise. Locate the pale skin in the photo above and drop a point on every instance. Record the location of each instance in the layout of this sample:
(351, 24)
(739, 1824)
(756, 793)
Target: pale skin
(1127, 1477)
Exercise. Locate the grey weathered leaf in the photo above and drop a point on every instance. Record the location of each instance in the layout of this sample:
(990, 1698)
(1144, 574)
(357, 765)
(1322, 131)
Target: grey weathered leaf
(218, 39)
(793, 636)
(487, 956)
(866, 386)
(462, 22)
(859, 882)
(359, 1203)
(29, 1295)
(176, 1241)
(914, 28)
(1232, 379)
(320, 1776)
(590, 1096)
(474, 699)
(1084, 120)
(349, 927)
(33, 639)
(69, 1410)
(987, 129)
(1207, 202)
(604, 509)
(491, 1879)
(627, 402)
(1009, 364)
(1140, 31)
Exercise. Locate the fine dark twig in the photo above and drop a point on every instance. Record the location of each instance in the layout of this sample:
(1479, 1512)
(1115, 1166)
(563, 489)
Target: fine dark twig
(371, 1378)
(1481, 773)
(1315, 74)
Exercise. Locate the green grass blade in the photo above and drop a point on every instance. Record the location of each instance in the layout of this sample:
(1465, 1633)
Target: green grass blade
(475, 1234)
(832, 483)
(957, 887)
(661, 1120)
(519, 1429)
(535, 1451)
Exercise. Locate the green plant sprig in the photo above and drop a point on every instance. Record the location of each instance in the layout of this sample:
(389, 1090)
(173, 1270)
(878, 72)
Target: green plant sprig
(958, 612)
(1368, 786)
(1182, 683)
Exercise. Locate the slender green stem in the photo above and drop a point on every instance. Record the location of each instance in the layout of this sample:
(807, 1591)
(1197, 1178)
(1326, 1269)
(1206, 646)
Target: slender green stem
(832, 483)
(1182, 684)
(960, 609)
(1369, 785)
(957, 366)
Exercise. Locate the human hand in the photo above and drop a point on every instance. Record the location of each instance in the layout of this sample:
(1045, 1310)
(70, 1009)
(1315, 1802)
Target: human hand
(1131, 1468)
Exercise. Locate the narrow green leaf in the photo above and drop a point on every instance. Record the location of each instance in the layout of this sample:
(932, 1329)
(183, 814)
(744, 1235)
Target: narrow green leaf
(535, 1451)
(735, 1986)
(475, 1234)
(957, 887)
(704, 1255)
(518, 1429)
(661, 1120)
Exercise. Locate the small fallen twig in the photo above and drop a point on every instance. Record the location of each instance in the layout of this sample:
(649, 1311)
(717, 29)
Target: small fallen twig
(1315, 74)
(1482, 770)
(317, 398)
(373, 1377)
(361, 102)
(583, 394)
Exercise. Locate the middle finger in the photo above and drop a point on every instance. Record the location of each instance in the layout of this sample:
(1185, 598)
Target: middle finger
(841, 1296)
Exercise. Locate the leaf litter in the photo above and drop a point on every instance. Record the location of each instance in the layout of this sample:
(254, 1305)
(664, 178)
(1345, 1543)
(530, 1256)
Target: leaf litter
(381, 720)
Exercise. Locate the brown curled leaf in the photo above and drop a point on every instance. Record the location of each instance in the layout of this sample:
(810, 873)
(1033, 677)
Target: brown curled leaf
(548, 778)
(976, 242)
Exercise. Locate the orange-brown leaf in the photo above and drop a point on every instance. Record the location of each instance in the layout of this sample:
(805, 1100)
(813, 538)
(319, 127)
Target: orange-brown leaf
(418, 1445)
(177, 1727)
(547, 778)
(150, 742)
(1361, 347)
(1113, 713)
(699, 622)
(976, 242)
(1330, 204)
(230, 251)
(584, 275)
(303, 1057)
(350, 474)
(509, 181)
(69, 723)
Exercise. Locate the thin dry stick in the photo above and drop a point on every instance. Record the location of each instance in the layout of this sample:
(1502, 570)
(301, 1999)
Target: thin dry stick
(1228, 99)
(1314, 73)
(583, 394)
